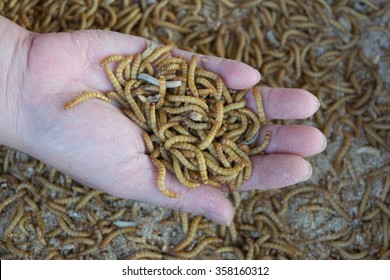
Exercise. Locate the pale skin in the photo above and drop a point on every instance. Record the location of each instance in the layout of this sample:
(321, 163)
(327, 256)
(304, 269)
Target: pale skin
(98, 146)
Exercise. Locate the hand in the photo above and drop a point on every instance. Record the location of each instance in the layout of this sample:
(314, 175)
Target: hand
(98, 146)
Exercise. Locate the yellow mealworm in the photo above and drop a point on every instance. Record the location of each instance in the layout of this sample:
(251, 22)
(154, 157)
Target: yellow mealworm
(336, 206)
(78, 240)
(106, 240)
(343, 151)
(352, 256)
(243, 125)
(280, 247)
(180, 176)
(11, 199)
(184, 221)
(163, 128)
(190, 235)
(383, 207)
(152, 117)
(148, 142)
(131, 101)
(156, 55)
(188, 108)
(16, 251)
(233, 233)
(364, 200)
(257, 150)
(180, 139)
(371, 215)
(15, 220)
(146, 255)
(259, 103)
(183, 160)
(196, 125)
(234, 106)
(111, 58)
(83, 202)
(191, 76)
(202, 244)
(188, 99)
(84, 97)
(160, 180)
(221, 156)
(135, 66)
(215, 127)
(224, 171)
(70, 231)
(121, 67)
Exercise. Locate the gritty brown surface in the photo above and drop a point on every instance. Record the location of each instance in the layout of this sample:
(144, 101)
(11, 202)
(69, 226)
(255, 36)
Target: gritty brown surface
(340, 52)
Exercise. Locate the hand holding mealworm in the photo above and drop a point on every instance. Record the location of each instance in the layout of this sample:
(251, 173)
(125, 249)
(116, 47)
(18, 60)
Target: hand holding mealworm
(96, 144)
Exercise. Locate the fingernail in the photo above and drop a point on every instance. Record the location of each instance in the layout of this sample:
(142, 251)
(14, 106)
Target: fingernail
(318, 103)
(310, 172)
(325, 144)
(216, 218)
(258, 75)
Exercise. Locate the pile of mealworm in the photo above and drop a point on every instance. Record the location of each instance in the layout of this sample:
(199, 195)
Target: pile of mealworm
(195, 126)
(338, 50)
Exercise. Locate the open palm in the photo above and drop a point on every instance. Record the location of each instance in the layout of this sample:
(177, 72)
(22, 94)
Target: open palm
(100, 147)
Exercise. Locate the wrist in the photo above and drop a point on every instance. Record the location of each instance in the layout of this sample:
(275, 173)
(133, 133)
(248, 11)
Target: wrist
(14, 47)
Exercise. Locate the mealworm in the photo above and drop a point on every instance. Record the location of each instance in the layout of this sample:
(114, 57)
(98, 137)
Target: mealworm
(183, 160)
(230, 249)
(336, 206)
(70, 231)
(259, 149)
(191, 76)
(111, 58)
(221, 156)
(344, 243)
(195, 112)
(259, 103)
(180, 138)
(180, 176)
(135, 66)
(383, 207)
(15, 220)
(243, 125)
(352, 256)
(84, 97)
(233, 233)
(106, 240)
(131, 101)
(161, 178)
(343, 151)
(196, 125)
(234, 106)
(16, 251)
(148, 142)
(364, 200)
(280, 247)
(163, 128)
(215, 127)
(121, 67)
(281, 226)
(224, 171)
(202, 244)
(146, 255)
(156, 55)
(78, 240)
(190, 234)
(83, 202)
